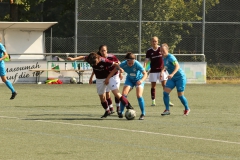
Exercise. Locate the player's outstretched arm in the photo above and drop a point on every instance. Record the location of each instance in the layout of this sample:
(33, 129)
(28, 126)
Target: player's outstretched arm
(145, 63)
(76, 58)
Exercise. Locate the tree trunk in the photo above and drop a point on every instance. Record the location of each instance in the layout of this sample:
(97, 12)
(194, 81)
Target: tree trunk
(13, 12)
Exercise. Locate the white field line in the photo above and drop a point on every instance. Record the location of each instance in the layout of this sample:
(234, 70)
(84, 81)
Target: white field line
(129, 130)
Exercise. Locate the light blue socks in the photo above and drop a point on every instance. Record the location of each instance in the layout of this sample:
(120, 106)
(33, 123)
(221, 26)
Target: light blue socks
(10, 86)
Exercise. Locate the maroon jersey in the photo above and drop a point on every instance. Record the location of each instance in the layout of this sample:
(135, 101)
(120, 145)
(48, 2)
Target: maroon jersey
(113, 58)
(101, 70)
(156, 59)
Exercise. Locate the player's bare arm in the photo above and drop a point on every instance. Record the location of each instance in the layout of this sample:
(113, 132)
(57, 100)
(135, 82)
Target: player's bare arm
(174, 71)
(145, 62)
(91, 77)
(76, 58)
(143, 78)
(5, 55)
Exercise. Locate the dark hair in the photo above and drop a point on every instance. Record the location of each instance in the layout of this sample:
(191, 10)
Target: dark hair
(98, 52)
(130, 55)
(100, 47)
(91, 59)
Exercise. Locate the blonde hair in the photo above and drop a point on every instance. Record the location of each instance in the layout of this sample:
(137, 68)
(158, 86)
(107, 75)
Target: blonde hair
(165, 45)
(154, 37)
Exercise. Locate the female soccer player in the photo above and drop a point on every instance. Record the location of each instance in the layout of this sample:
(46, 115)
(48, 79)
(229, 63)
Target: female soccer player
(136, 75)
(100, 67)
(176, 78)
(154, 55)
(3, 55)
(118, 76)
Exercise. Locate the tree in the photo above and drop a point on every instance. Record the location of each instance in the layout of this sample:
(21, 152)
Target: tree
(23, 8)
(61, 11)
(123, 36)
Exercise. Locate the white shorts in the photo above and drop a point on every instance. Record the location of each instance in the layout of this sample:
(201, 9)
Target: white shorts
(117, 79)
(101, 87)
(153, 77)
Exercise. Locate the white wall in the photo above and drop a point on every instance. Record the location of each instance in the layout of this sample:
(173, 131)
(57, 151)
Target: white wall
(18, 72)
(23, 41)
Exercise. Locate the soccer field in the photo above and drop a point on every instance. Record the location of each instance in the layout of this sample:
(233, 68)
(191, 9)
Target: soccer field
(59, 122)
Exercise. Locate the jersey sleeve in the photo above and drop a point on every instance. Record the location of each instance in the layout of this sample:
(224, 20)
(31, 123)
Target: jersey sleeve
(115, 59)
(147, 55)
(2, 48)
(123, 64)
(108, 62)
(173, 60)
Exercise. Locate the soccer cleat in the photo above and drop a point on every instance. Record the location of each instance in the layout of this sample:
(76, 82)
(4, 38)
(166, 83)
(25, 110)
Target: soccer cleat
(14, 94)
(111, 111)
(141, 117)
(166, 112)
(118, 108)
(153, 103)
(107, 113)
(171, 104)
(186, 112)
(129, 106)
(120, 115)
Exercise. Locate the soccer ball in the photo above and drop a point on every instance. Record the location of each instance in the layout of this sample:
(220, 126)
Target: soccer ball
(130, 114)
(73, 80)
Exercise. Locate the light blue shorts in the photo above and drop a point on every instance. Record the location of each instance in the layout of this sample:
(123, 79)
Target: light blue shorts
(132, 84)
(2, 70)
(180, 84)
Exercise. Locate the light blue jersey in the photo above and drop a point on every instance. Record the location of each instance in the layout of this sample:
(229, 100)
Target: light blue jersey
(3, 71)
(169, 64)
(178, 80)
(2, 63)
(134, 73)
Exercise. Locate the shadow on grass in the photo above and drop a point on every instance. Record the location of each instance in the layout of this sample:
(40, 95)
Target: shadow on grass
(71, 117)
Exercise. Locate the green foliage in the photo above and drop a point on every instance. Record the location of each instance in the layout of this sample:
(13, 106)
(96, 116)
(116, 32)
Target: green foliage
(63, 13)
(28, 3)
(161, 10)
(223, 71)
(116, 33)
(26, 10)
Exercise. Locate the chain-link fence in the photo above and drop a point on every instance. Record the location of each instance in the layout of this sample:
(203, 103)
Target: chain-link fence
(128, 26)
